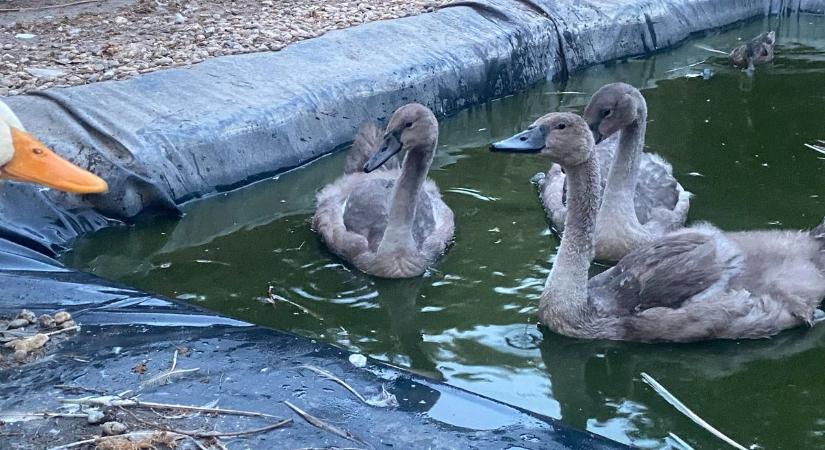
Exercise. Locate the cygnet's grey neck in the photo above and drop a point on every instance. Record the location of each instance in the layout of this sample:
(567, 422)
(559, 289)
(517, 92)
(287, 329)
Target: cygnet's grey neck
(398, 233)
(620, 189)
(565, 293)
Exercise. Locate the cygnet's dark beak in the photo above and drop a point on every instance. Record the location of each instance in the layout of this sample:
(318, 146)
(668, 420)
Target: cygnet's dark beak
(528, 141)
(597, 137)
(389, 147)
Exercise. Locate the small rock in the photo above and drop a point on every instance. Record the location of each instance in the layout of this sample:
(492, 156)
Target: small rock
(61, 317)
(18, 323)
(28, 344)
(7, 46)
(95, 416)
(358, 360)
(20, 355)
(120, 20)
(28, 315)
(67, 324)
(113, 428)
(42, 72)
(25, 36)
(179, 18)
(165, 61)
(46, 321)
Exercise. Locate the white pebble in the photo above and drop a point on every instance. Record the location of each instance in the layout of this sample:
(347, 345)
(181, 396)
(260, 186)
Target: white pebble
(358, 360)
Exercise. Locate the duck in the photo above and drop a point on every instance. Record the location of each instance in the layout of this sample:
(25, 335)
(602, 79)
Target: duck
(642, 199)
(24, 158)
(390, 223)
(696, 283)
(758, 50)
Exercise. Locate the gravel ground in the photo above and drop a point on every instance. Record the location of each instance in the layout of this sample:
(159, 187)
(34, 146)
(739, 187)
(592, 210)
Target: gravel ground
(44, 44)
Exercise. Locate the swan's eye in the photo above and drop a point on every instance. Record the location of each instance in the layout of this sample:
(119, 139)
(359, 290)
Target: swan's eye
(409, 124)
(561, 126)
(607, 112)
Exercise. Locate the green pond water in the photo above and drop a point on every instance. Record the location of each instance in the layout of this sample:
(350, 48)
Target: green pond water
(737, 142)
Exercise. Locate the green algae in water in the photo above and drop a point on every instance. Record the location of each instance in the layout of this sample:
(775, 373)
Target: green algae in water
(736, 142)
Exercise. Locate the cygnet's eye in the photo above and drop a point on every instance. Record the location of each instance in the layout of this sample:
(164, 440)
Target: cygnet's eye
(409, 124)
(607, 113)
(561, 126)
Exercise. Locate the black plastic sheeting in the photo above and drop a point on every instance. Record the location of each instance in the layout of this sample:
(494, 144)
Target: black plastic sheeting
(241, 367)
(168, 137)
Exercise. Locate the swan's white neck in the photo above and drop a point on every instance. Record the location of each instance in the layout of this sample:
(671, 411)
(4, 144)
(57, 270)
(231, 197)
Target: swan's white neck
(398, 234)
(7, 119)
(564, 300)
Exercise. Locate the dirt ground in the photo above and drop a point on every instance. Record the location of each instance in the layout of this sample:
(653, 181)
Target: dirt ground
(48, 43)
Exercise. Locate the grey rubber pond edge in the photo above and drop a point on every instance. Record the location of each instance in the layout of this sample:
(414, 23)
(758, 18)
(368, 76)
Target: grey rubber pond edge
(168, 137)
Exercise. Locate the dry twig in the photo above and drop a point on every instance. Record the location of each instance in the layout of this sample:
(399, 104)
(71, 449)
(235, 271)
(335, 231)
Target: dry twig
(670, 398)
(316, 422)
(384, 400)
(274, 298)
(109, 401)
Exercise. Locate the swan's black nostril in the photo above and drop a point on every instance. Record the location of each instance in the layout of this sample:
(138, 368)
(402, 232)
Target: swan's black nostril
(523, 138)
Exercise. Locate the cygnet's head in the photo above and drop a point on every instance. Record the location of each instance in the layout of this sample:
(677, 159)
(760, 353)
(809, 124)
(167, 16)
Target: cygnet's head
(24, 158)
(413, 127)
(612, 108)
(563, 137)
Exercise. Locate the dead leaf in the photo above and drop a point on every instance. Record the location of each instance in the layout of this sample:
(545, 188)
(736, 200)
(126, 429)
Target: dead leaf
(140, 369)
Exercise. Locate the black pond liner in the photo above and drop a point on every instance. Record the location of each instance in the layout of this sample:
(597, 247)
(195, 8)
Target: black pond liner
(168, 137)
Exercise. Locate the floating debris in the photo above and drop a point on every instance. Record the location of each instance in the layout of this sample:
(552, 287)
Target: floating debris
(316, 422)
(383, 400)
(670, 398)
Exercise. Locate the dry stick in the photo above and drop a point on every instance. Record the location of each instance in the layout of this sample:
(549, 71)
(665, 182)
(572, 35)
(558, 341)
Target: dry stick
(166, 376)
(815, 148)
(64, 330)
(680, 441)
(150, 405)
(670, 398)
(274, 297)
(46, 414)
(215, 434)
(687, 66)
(316, 422)
(38, 8)
(209, 434)
(328, 375)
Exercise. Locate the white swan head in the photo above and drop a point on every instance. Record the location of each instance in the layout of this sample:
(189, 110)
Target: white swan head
(24, 158)
(412, 127)
(613, 107)
(563, 137)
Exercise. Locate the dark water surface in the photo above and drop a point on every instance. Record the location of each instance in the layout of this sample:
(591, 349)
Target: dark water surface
(735, 141)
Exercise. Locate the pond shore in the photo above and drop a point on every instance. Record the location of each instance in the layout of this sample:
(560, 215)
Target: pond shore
(43, 45)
